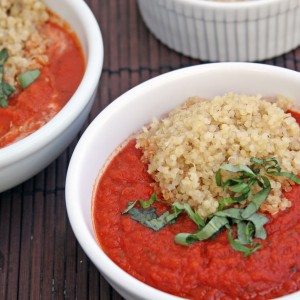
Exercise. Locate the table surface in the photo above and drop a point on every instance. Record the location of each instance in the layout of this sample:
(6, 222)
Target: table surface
(39, 255)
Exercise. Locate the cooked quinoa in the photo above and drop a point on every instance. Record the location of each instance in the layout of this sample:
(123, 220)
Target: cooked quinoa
(185, 149)
(20, 21)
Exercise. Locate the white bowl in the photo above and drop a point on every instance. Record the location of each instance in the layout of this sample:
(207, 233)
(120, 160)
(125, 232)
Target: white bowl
(225, 31)
(128, 114)
(30, 155)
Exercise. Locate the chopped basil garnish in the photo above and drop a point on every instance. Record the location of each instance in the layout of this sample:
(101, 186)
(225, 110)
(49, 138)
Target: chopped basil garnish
(237, 245)
(256, 202)
(144, 204)
(149, 218)
(249, 223)
(290, 176)
(210, 229)
(178, 208)
(168, 217)
(27, 78)
(272, 167)
(3, 56)
(5, 89)
(247, 229)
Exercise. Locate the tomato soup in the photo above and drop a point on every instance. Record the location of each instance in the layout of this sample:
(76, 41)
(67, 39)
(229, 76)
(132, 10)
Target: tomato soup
(30, 109)
(204, 270)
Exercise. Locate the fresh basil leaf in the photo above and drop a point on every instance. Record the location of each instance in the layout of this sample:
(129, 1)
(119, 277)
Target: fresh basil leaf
(143, 203)
(247, 172)
(218, 178)
(265, 163)
(234, 213)
(232, 182)
(290, 176)
(194, 216)
(142, 215)
(185, 239)
(3, 56)
(243, 234)
(240, 188)
(259, 161)
(266, 181)
(130, 205)
(5, 91)
(258, 221)
(257, 200)
(3, 102)
(274, 164)
(229, 201)
(149, 218)
(211, 228)
(159, 222)
(238, 246)
(250, 231)
(148, 203)
(1, 72)
(225, 202)
(177, 210)
(27, 78)
(238, 168)
(243, 197)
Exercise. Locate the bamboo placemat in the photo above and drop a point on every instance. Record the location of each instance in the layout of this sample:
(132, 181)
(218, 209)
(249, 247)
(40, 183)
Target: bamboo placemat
(39, 255)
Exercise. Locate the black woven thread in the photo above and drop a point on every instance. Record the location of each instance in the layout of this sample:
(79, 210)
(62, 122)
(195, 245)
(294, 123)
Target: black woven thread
(276, 62)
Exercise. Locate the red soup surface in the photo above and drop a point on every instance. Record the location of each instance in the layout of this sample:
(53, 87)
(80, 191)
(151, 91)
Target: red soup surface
(204, 270)
(32, 108)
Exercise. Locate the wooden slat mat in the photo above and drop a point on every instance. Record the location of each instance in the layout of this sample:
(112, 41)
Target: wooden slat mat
(39, 255)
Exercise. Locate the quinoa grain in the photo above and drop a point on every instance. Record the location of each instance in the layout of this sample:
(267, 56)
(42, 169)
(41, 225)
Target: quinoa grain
(20, 22)
(184, 150)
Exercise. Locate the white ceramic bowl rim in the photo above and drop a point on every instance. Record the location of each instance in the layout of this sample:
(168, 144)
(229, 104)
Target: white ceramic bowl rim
(74, 209)
(75, 105)
(228, 5)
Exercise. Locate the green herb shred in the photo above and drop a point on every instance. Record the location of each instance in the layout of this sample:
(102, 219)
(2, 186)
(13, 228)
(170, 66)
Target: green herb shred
(25, 79)
(244, 224)
(5, 89)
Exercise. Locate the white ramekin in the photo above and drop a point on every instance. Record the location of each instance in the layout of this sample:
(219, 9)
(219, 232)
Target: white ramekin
(126, 115)
(225, 31)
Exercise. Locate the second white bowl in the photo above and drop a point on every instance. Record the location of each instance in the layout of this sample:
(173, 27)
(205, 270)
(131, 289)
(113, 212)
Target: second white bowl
(25, 158)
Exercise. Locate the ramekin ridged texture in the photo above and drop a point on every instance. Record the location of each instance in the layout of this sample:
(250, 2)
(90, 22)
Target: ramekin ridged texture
(219, 31)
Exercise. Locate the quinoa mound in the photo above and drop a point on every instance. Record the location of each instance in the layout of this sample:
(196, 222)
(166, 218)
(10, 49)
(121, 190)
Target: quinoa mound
(185, 149)
(20, 23)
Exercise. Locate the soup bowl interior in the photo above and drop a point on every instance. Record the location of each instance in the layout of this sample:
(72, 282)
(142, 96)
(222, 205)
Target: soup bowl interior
(126, 115)
(27, 157)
